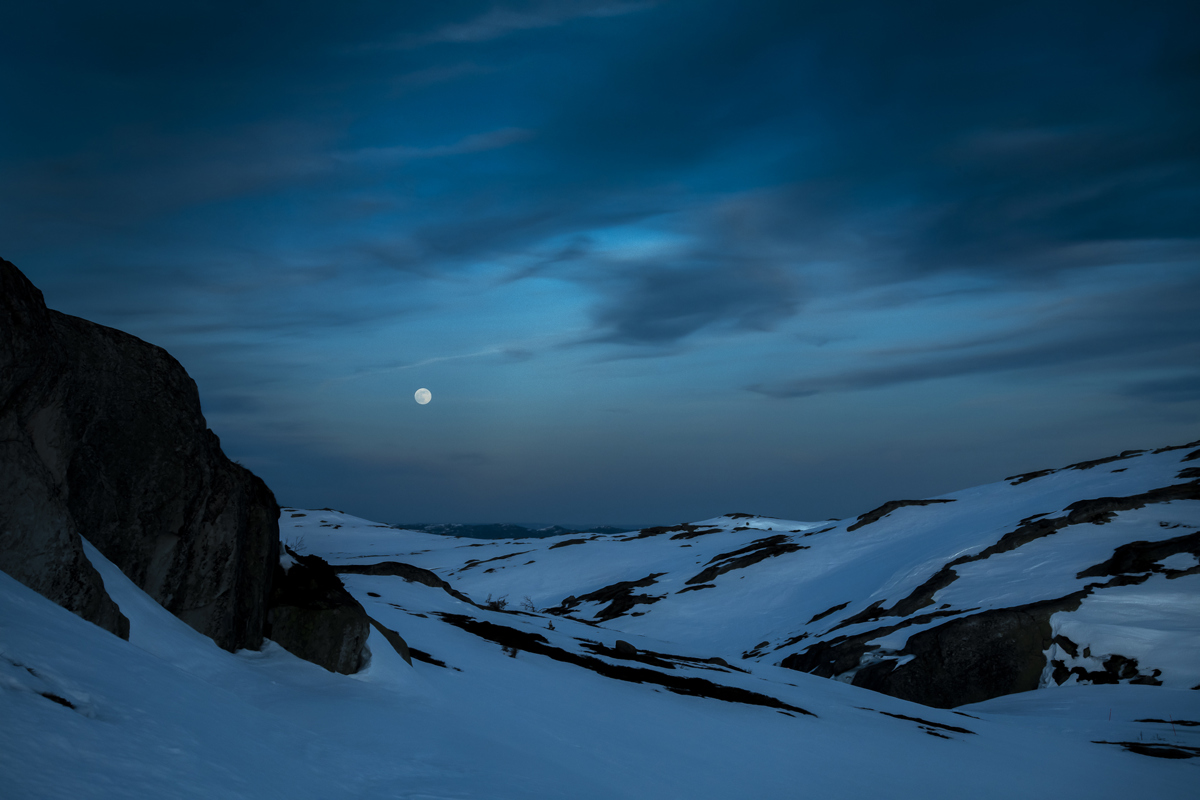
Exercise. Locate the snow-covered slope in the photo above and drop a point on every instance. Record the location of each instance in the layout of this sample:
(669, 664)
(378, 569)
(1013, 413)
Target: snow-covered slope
(657, 690)
(837, 597)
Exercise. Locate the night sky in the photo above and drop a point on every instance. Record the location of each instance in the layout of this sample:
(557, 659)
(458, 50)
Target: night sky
(656, 261)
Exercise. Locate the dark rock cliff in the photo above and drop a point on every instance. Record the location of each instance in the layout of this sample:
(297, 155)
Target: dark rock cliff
(101, 435)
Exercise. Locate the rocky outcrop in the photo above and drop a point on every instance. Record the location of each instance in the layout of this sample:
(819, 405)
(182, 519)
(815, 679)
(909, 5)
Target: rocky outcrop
(879, 513)
(406, 571)
(311, 615)
(101, 435)
(619, 596)
(970, 659)
(39, 543)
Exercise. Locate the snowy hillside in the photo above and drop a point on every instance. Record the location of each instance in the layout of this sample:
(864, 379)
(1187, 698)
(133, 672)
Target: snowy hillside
(838, 597)
(655, 664)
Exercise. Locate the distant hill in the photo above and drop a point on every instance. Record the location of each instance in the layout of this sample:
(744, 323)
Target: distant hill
(507, 530)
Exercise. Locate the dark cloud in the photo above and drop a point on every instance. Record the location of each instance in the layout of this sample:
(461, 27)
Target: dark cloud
(995, 134)
(656, 305)
(1182, 389)
(1108, 336)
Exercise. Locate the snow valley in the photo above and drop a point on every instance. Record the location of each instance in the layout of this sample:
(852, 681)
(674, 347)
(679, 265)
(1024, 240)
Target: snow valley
(1039, 636)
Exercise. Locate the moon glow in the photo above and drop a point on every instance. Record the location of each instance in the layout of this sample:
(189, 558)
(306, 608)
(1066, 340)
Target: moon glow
(423, 396)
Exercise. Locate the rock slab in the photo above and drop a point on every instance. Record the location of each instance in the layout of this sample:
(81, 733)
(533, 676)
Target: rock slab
(312, 616)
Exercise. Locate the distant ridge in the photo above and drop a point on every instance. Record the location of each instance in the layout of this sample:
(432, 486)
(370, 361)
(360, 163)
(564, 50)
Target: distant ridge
(509, 530)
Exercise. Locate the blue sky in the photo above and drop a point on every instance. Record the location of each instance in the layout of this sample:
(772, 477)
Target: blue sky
(656, 261)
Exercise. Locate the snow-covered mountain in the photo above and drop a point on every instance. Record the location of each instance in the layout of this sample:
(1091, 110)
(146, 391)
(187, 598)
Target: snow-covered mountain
(686, 661)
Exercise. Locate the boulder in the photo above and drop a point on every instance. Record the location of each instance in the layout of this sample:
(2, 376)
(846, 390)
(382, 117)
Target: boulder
(102, 436)
(625, 649)
(970, 659)
(311, 615)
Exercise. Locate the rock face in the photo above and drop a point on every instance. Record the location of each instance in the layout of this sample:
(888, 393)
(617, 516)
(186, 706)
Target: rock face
(101, 435)
(312, 616)
(969, 660)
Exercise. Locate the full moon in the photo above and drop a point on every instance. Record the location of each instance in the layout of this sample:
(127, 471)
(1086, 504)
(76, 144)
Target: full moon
(423, 396)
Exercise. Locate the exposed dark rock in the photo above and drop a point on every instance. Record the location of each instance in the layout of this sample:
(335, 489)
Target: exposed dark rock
(394, 639)
(1116, 668)
(1097, 462)
(311, 615)
(889, 507)
(39, 543)
(567, 543)
(475, 563)
(697, 588)
(918, 720)
(62, 701)
(917, 599)
(831, 657)
(680, 684)
(1157, 750)
(1182, 447)
(693, 531)
(101, 435)
(1069, 647)
(625, 651)
(1137, 557)
(619, 596)
(760, 550)
(406, 571)
(1017, 480)
(970, 659)
(827, 612)
(425, 658)
(658, 531)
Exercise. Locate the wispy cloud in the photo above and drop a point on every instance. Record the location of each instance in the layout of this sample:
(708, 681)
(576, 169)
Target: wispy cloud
(491, 351)
(441, 73)
(501, 21)
(1107, 334)
(474, 143)
(509, 352)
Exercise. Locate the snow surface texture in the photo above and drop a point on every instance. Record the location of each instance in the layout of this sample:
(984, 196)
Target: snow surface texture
(507, 700)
